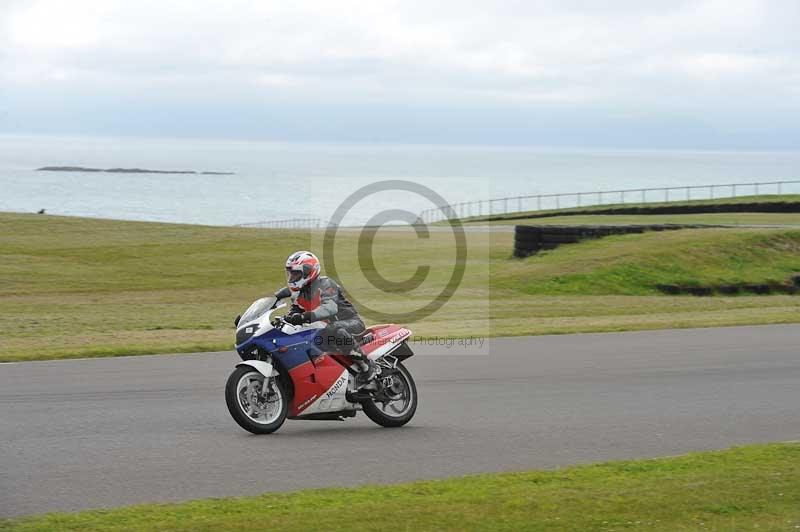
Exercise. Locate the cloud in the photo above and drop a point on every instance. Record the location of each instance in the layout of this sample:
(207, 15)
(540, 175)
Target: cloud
(707, 55)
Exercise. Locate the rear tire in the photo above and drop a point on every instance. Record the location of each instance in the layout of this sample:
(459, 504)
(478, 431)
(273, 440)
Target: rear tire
(234, 400)
(386, 419)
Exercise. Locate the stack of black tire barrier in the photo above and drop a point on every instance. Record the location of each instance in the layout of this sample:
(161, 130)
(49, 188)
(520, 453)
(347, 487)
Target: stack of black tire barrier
(530, 239)
(790, 286)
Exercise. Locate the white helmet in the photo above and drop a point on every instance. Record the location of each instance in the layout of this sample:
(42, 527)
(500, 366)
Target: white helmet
(302, 267)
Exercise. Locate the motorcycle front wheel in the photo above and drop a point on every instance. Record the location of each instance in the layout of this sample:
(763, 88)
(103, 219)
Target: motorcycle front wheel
(397, 405)
(249, 407)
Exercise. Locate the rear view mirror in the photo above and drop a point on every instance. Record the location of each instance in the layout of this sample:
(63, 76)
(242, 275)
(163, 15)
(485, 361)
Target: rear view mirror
(236, 321)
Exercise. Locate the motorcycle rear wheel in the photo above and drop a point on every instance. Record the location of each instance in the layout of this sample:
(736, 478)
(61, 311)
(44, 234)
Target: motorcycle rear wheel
(391, 415)
(247, 414)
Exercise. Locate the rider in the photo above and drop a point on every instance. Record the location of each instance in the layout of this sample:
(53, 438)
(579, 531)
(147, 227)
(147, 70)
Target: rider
(319, 298)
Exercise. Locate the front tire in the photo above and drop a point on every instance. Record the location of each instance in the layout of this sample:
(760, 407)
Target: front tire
(254, 413)
(399, 412)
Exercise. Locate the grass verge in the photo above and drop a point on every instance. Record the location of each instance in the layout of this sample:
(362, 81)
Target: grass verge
(753, 487)
(73, 287)
(780, 206)
(725, 218)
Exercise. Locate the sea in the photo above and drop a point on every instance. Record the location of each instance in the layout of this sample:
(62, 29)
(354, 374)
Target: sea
(353, 183)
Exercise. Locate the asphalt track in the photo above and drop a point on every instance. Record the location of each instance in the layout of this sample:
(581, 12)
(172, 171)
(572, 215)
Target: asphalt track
(108, 432)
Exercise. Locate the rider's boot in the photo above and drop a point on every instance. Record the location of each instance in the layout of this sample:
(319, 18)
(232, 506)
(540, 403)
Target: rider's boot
(366, 367)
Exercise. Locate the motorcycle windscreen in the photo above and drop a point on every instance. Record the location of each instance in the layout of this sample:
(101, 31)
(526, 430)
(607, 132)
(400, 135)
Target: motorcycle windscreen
(258, 309)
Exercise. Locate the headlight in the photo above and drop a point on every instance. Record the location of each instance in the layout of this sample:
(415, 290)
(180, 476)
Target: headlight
(245, 333)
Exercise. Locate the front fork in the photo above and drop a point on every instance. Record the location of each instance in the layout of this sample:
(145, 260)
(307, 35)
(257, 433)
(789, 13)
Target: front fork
(265, 368)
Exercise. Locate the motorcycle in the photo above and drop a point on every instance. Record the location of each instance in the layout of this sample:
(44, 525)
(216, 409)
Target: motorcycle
(285, 375)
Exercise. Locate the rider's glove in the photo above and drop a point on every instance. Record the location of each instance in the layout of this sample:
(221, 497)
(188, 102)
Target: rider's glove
(294, 319)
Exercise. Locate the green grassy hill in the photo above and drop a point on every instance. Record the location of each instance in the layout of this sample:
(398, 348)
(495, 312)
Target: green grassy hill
(73, 287)
(635, 264)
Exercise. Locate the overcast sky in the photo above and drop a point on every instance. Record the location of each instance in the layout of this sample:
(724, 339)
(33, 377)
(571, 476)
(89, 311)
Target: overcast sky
(640, 74)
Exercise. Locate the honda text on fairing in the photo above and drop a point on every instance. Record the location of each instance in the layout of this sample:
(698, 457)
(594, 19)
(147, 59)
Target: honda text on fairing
(283, 374)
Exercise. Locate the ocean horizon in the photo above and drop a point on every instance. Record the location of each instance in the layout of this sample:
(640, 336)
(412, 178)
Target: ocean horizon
(279, 180)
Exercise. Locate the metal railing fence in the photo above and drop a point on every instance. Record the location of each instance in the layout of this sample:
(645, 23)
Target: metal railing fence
(542, 202)
(290, 223)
